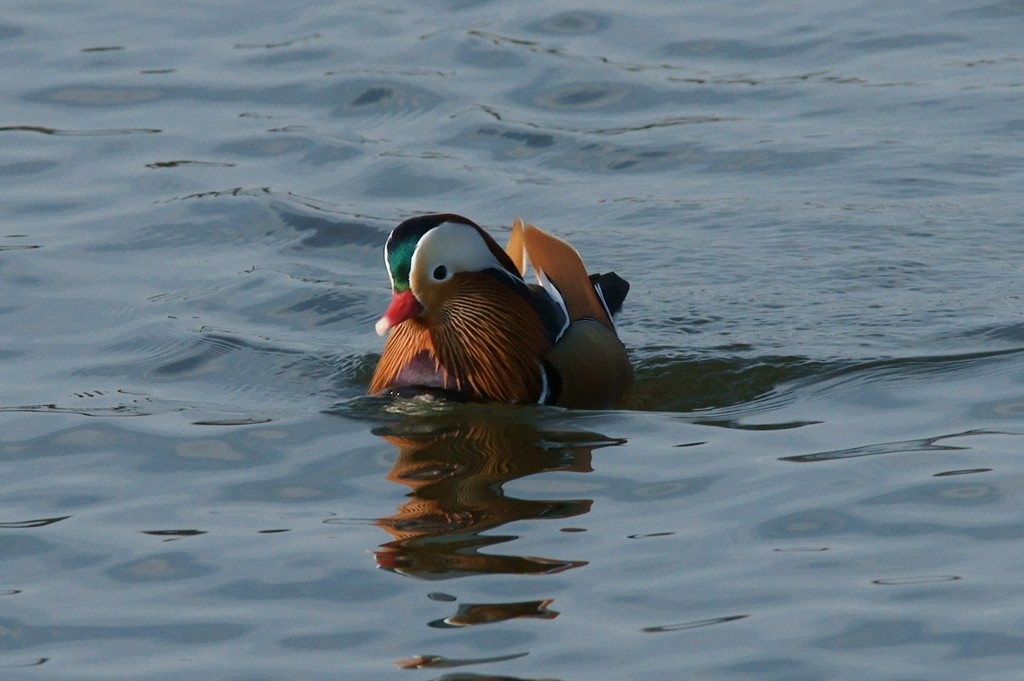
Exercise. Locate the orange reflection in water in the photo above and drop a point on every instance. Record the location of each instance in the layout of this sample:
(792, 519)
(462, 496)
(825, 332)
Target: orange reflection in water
(455, 473)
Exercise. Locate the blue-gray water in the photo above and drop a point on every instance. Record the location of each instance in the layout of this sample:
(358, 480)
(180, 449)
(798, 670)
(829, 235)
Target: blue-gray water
(816, 474)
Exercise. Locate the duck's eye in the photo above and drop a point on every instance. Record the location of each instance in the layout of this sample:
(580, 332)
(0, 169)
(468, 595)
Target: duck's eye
(440, 272)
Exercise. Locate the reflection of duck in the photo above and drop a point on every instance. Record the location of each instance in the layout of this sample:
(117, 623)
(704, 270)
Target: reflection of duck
(455, 473)
(465, 324)
(473, 614)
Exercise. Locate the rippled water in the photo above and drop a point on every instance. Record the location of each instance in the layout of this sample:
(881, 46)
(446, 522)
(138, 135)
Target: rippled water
(814, 476)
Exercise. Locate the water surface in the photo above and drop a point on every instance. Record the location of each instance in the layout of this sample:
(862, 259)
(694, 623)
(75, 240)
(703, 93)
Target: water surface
(814, 476)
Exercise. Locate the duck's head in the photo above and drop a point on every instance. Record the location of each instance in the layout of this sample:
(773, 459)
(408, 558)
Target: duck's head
(423, 255)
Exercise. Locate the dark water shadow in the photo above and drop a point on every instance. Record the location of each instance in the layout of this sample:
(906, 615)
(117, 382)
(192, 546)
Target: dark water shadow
(929, 444)
(727, 391)
(684, 384)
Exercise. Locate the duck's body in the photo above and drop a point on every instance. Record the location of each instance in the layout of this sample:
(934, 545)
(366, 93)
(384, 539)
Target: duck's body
(464, 323)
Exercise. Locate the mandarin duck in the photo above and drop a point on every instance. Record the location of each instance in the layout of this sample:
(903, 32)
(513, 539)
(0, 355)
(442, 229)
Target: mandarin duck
(466, 325)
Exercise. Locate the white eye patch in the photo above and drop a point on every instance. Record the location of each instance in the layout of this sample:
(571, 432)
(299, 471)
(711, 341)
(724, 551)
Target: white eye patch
(448, 249)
